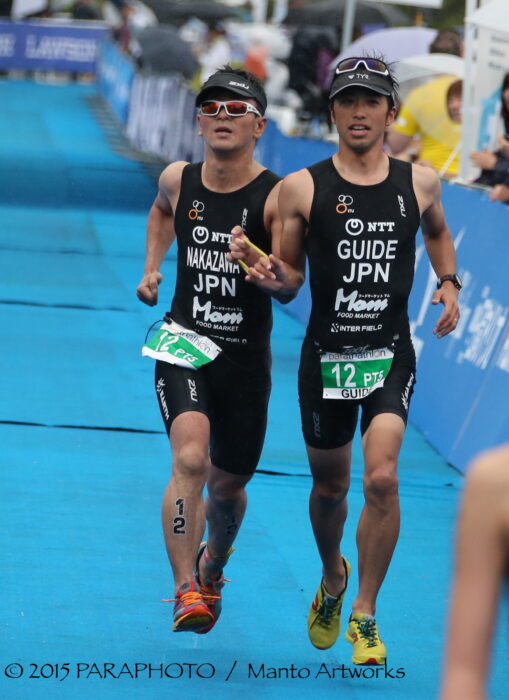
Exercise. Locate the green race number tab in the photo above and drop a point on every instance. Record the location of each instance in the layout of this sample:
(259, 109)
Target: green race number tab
(354, 374)
(179, 346)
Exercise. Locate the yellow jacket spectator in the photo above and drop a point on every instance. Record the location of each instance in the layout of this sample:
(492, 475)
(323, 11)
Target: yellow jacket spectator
(432, 112)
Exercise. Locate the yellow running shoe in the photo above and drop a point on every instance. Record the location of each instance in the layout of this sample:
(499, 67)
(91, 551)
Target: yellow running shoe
(368, 648)
(324, 618)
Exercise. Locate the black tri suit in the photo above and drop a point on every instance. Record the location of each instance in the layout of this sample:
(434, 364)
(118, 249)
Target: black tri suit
(213, 299)
(361, 255)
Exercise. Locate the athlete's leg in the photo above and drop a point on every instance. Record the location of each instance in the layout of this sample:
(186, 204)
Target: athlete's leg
(183, 508)
(225, 507)
(238, 425)
(330, 470)
(378, 528)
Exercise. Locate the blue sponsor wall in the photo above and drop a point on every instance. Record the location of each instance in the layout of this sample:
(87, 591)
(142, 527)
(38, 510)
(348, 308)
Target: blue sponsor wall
(463, 379)
(115, 73)
(49, 45)
(284, 154)
(461, 399)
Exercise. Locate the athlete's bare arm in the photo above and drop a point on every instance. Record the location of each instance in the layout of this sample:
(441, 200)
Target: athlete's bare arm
(397, 142)
(482, 548)
(242, 249)
(160, 231)
(439, 245)
(282, 273)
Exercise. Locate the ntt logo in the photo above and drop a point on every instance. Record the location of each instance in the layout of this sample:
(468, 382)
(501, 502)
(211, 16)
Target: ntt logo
(200, 234)
(354, 227)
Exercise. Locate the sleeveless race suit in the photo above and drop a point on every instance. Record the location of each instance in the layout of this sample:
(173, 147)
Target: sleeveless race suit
(212, 298)
(361, 254)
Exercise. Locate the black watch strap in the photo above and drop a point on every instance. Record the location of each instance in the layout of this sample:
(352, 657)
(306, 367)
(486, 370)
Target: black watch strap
(455, 279)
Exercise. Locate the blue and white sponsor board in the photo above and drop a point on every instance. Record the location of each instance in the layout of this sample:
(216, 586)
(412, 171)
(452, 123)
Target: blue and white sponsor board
(460, 403)
(50, 45)
(115, 73)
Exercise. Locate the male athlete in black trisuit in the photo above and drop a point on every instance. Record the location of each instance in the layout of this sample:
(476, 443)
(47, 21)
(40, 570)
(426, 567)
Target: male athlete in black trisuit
(355, 217)
(216, 317)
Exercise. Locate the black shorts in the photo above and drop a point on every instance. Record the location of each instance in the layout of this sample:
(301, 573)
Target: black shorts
(233, 392)
(330, 423)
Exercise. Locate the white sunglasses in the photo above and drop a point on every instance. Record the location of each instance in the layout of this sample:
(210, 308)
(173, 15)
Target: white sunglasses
(233, 108)
(373, 65)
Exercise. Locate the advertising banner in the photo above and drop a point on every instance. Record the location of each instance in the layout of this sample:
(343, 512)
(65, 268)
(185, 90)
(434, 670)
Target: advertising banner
(460, 402)
(50, 45)
(162, 118)
(115, 75)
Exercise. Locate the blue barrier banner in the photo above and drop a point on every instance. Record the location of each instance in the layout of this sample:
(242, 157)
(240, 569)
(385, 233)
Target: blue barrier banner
(50, 45)
(115, 73)
(285, 154)
(460, 403)
(162, 118)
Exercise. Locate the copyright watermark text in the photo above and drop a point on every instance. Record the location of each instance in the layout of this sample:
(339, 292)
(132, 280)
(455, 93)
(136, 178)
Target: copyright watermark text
(198, 671)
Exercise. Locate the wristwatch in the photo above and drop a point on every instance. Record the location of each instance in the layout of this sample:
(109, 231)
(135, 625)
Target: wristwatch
(455, 279)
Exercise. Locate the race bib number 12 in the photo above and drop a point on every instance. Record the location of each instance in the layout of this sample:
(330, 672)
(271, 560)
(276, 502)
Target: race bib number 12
(354, 374)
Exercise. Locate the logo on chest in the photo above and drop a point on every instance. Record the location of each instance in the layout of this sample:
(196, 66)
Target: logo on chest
(243, 223)
(197, 209)
(201, 235)
(345, 201)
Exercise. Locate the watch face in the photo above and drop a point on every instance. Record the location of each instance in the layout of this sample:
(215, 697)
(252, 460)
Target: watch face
(456, 280)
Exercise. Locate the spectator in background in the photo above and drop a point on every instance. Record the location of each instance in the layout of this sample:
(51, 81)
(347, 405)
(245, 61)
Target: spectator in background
(256, 60)
(454, 101)
(122, 31)
(5, 8)
(447, 41)
(482, 551)
(495, 165)
(217, 51)
(423, 124)
(433, 113)
(86, 10)
(313, 49)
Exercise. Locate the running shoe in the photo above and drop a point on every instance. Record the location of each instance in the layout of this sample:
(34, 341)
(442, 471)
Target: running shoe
(324, 618)
(368, 648)
(190, 613)
(210, 588)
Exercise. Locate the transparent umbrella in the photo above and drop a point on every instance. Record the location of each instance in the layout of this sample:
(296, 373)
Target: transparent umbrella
(394, 43)
(331, 13)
